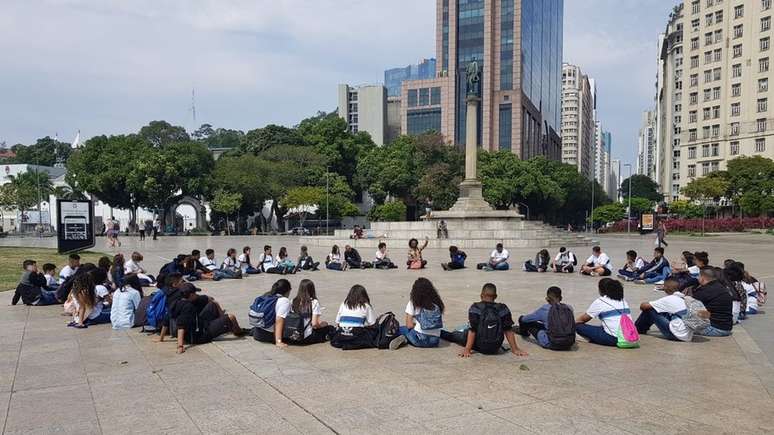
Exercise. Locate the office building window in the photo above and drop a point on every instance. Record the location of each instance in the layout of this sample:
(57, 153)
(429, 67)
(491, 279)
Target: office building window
(424, 96)
(707, 59)
(692, 116)
(719, 17)
(734, 148)
(694, 61)
(692, 153)
(760, 145)
(716, 130)
(412, 98)
(736, 89)
(737, 52)
(763, 85)
(705, 168)
(435, 95)
(716, 93)
(736, 70)
(694, 80)
(762, 105)
(709, 19)
(716, 72)
(705, 133)
(760, 124)
(715, 112)
(738, 11)
(694, 43)
(506, 44)
(765, 24)
(693, 98)
(715, 149)
(718, 36)
(738, 31)
(692, 135)
(714, 166)
(423, 120)
(695, 7)
(707, 94)
(706, 113)
(734, 129)
(765, 5)
(764, 43)
(505, 126)
(763, 64)
(691, 170)
(735, 109)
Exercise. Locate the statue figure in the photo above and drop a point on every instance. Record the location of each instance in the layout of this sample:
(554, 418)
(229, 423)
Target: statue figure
(473, 75)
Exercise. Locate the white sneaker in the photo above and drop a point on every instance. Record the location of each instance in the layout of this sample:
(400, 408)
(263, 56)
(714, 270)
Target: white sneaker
(397, 342)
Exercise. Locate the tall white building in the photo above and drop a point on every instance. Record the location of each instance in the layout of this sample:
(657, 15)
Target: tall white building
(578, 127)
(365, 109)
(713, 97)
(646, 145)
(615, 180)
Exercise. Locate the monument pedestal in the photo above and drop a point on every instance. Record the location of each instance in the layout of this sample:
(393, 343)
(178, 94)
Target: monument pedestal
(471, 205)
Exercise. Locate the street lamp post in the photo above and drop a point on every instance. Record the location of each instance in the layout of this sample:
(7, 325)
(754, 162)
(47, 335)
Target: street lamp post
(327, 199)
(629, 209)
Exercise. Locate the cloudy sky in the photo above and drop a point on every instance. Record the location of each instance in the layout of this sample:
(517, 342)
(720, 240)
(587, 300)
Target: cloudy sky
(110, 66)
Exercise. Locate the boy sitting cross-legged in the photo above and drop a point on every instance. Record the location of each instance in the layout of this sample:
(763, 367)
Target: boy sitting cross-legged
(552, 325)
(489, 324)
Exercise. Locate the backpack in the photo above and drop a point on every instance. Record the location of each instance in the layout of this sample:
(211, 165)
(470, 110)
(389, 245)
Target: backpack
(490, 334)
(294, 327)
(628, 337)
(156, 311)
(141, 312)
(262, 314)
(691, 318)
(430, 319)
(386, 330)
(561, 326)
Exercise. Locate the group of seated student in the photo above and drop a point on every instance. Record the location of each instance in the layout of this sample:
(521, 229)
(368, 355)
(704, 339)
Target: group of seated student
(637, 270)
(541, 263)
(598, 264)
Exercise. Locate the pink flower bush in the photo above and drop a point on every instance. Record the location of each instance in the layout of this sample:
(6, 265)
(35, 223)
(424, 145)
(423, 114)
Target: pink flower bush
(710, 225)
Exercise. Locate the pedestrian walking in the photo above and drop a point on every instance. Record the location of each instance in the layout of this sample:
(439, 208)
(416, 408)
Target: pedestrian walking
(660, 235)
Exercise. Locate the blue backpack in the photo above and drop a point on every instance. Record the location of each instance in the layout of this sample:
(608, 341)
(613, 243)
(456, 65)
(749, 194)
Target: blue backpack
(156, 311)
(262, 314)
(430, 319)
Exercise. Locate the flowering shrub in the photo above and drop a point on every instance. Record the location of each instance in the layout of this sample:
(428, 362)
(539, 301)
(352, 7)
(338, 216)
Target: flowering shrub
(710, 225)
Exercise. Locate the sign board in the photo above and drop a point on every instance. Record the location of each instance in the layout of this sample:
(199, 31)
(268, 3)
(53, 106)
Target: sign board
(75, 225)
(647, 221)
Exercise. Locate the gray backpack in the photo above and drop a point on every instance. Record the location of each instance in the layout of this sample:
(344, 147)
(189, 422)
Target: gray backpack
(691, 318)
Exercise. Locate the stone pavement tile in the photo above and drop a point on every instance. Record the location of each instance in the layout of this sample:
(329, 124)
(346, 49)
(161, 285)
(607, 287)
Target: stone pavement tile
(234, 416)
(549, 418)
(479, 423)
(51, 374)
(737, 420)
(438, 409)
(650, 422)
(5, 398)
(148, 420)
(67, 409)
(7, 375)
(603, 411)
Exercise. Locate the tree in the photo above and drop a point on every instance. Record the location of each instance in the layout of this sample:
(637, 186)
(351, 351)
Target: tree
(226, 203)
(44, 152)
(392, 211)
(159, 133)
(7, 200)
(609, 213)
(305, 200)
(751, 183)
(262, 139)
(642, 186)
(30, 188)
(686, 209)
(640, 205)
(247, 175)
(509, 181)
(705, 188)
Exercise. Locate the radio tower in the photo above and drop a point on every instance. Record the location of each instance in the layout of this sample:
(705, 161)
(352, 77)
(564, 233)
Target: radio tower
(193, 108)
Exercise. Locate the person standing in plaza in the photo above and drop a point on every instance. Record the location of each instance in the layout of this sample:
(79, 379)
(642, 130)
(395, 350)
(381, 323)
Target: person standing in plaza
(156, 228)
(661, 232)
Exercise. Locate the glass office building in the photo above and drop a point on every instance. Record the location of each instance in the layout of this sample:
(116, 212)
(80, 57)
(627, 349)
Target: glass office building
(394, 77)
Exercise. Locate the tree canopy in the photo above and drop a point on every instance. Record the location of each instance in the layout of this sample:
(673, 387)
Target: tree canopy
(642, 187)
(44, 152)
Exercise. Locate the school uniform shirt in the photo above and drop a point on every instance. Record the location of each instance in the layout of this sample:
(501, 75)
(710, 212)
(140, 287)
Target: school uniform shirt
(609, 312)
(50, 280)
(380, 256)
(101, 291)
(355, 317)
(564, 258)
(132, 267)
(674, 305)
(125, 302)
(334, 258)
(244, 262)
(230, 264)
(65, 273)
(497, 256)
(410, 310)
(694, 271)
(752, 296)
(207, 263)
(267, 261)
(316, 311)
(600, 261)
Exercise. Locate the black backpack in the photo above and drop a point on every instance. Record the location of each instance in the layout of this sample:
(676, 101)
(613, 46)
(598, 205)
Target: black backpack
(561, 326)
(490, 333)
(294, 327)
(386, 330)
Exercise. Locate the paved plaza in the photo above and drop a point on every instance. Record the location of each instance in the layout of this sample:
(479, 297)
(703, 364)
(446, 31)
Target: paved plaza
(55, 379)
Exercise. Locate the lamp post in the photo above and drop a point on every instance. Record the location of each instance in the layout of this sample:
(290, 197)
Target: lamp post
(327, 199)
(629, 209)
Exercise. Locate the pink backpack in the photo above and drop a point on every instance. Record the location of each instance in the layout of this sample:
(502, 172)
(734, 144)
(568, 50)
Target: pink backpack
(628, 337)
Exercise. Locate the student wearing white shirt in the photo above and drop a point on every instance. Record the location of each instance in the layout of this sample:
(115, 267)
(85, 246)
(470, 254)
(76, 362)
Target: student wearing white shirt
(598, 264)
(608, 308)
(230, 266)
(125, 302)
(631, 269)
(381, 260)
(308, 307)
(334, 261)
(87, 302)
(353, 320)
(424, 317)
(134, 265)
(273, 334)
(498, 259)
(267, 262)
(73, 263)
(666, 313)
(564, 262)
(49, 272)
(244, 262)
(208, 260)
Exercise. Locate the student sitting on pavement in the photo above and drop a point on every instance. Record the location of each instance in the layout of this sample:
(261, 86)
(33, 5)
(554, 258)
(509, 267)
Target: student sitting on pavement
(275, 302)
(125, 302)
(656, 271)
(718, 301)
(87, 304)
(598, 264)
(307, 311)
(353, 259)
(498, 259)
(305, 261)
(200, 319)
(32, 287)
(268, 263)
(334, 261)
(49, 272)
(457, 257)
(489, 323)
(424, 317)
(381, 260)
(634, 264)
(733, 276)
(134, 265)
(609, 307)
(284, 263)
(539, 264)
(230, 265)
(353, 321)
(756, 291)
(666, 313)
(415, 260)
(245, 265)
(195, 263)
(552, 325)
(73, 263)
(565, 261)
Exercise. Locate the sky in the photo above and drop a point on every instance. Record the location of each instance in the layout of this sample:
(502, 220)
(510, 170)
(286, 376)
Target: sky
(111, 66)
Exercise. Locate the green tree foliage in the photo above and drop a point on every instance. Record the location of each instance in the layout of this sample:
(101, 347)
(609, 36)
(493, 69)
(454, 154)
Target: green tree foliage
(641, 205)
(705, 188)
(44, 152)
(642, 187)
(226, 203)
(751, 183)
(160, 133)
(28, 188)
(218, 138)
(509, 180)
(685, 209)
(247, 175)
(609, 213)
(262, 139)
(392, 211)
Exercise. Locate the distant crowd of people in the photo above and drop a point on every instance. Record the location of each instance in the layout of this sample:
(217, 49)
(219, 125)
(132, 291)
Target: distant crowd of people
(698, 299)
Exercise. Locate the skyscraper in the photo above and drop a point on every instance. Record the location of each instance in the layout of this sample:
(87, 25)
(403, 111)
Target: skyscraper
(518, 44)
(578, 124)
(646, 145)
(365, 109)
(394, 77)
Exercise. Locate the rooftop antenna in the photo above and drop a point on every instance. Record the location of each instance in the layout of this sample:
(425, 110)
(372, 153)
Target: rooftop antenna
(193, 107)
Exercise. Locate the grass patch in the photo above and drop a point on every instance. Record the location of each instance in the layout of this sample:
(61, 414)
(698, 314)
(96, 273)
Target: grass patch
(11, 259)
